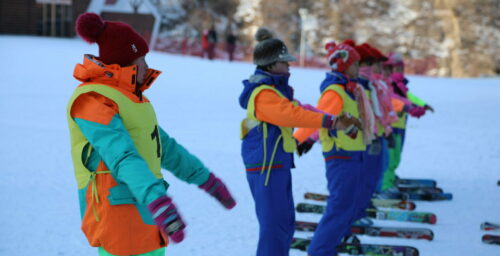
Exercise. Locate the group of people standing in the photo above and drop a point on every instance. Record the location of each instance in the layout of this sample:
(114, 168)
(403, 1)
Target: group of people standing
(360, 120)
(209, 41)
(118, 148)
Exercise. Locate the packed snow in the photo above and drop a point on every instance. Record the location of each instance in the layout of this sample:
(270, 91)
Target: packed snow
(196, 102)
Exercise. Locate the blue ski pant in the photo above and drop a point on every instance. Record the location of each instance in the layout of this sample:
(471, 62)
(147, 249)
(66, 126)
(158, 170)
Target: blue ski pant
(385, 163)
(372, 173)
(343, 173)
(275, 211)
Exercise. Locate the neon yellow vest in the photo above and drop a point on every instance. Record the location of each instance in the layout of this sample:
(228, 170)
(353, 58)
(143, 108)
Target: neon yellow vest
(401, 123)
(138, 118)
(251, 121)
(342, 141)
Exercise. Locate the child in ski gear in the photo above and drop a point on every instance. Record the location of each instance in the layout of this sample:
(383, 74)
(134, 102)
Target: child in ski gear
(393, 70)
(343, 154)
(268, 144)
(118, 148)
(376, 153)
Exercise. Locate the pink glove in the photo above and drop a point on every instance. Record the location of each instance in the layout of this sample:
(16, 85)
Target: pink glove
(167, 218)
(417, 111)
(216, 188)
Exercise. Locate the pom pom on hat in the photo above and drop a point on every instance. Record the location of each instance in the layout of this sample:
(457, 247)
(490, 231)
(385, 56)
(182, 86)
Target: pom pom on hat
(89, 26)
(118, 42)
(269, 49)
(330, 45)
(263, 34)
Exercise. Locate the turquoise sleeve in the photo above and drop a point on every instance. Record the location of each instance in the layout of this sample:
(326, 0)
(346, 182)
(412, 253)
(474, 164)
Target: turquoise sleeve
(177, 160)
(115, 147)
(416, 100)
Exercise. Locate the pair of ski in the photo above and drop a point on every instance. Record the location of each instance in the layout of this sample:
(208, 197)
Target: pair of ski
(487, 238)
(419, 217)
(362, 249)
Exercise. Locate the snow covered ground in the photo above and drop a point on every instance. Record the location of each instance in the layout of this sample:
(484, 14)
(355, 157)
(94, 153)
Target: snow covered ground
(196, 102)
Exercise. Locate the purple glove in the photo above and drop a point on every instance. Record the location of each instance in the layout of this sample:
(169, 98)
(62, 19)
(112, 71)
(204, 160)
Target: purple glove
(216, 188)
(417, 111)
(167, 218)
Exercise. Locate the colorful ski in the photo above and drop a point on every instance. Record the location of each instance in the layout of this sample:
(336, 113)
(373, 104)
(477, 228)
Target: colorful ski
(410, 233)
(389, 203)
(420, 190)
(488, 226)
(420, 217)
(491, 239)
(363, 249)
(418, 196)
(415, 183)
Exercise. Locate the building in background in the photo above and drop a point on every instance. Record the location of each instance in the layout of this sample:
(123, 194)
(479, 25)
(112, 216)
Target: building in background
(40, 17)
(57, 17)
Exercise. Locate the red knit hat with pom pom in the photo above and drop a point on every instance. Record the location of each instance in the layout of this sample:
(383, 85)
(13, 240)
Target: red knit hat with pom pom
(118, 42)
(340, 56)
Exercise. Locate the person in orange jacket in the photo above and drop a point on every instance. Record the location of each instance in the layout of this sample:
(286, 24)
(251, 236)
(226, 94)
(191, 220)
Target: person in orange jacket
(118, 148)
(343, 154)
(268, 145)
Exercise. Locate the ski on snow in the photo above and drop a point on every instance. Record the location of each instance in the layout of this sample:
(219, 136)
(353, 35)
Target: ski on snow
(488, 226)
(491, 239)
(420, 217)
(416, 183)
(398, 232)
(384, 203)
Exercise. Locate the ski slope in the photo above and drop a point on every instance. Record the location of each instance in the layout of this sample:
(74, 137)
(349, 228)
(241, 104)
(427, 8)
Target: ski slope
(196, 102)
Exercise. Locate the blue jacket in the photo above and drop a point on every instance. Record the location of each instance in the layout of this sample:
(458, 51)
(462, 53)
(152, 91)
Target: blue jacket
(252, 148)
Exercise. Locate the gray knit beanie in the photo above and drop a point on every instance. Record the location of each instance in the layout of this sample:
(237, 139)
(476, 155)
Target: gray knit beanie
(269, 49)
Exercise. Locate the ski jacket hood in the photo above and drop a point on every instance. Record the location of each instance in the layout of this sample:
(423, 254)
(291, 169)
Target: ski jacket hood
(260, 77)
(334, 77)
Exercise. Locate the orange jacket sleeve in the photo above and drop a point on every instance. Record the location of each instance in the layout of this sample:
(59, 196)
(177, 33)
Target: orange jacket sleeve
(94, 107)
(271, 108)
(398, 105)
(330, 102)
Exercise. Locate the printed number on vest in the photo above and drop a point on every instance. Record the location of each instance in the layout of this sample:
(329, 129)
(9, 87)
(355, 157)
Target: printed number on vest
(155, 135)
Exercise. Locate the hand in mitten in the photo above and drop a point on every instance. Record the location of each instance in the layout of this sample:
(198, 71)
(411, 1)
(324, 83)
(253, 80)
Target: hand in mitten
(167, 218)
(417, 111)
(216, 188)
(305, 146)
(349, 124)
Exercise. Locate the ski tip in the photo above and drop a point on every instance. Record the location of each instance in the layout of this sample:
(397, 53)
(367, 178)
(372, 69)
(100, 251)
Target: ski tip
(433, 219)
(430, 237)
(491, 239)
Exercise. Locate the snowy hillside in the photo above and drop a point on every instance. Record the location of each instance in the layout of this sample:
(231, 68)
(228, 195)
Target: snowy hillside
(196, 102)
